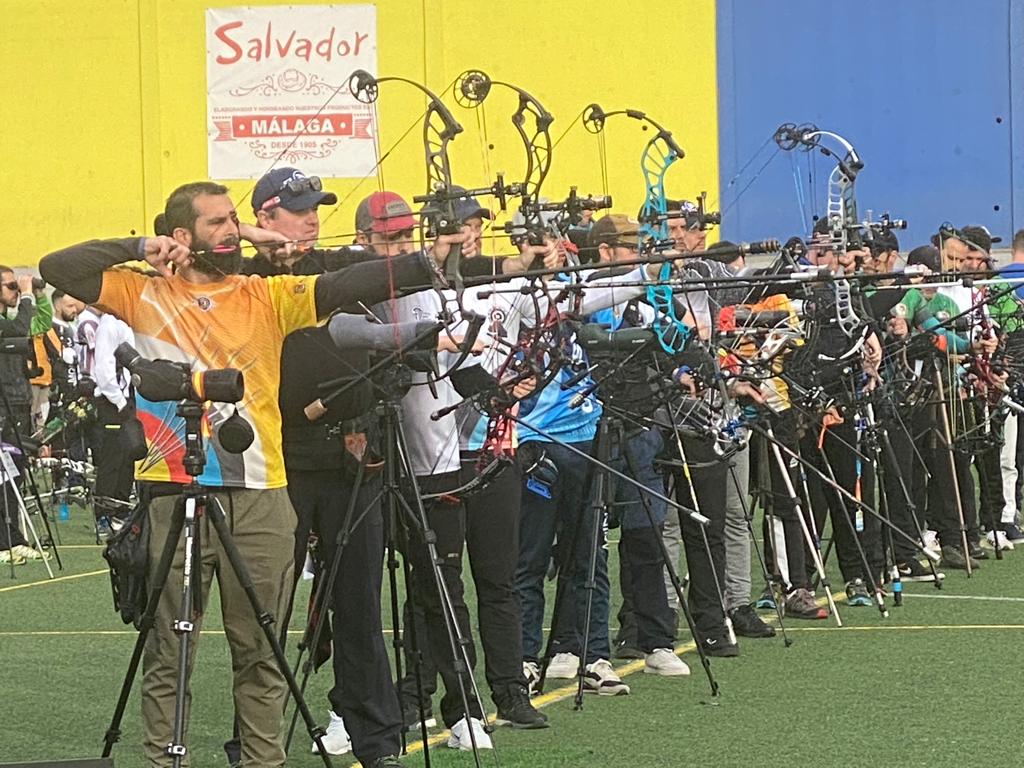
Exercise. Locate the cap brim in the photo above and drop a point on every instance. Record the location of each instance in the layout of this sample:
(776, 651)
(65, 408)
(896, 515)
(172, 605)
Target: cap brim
(307, 200)
(479, 213)
(394, 224)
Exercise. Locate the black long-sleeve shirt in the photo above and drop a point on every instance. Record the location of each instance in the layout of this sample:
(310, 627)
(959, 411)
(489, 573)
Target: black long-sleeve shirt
(12, 366)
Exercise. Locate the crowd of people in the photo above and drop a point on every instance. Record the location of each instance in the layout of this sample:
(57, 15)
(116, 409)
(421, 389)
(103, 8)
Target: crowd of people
(414, 400)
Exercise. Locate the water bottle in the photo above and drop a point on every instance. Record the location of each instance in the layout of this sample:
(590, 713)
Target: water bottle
(63, 512)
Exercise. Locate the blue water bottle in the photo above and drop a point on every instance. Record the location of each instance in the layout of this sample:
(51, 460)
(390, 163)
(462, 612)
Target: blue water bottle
(63, 513)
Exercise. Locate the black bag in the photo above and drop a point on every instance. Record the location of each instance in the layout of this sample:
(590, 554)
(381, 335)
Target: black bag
(127, 554)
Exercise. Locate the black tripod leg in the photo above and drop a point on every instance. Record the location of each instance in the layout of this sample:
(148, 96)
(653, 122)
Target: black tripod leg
(458, 641)
(266, 622)
(844, 513)
(889, 452)
(602, 499)
(113, 734)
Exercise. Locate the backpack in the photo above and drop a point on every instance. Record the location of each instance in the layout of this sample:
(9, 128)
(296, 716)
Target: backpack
(127, 554)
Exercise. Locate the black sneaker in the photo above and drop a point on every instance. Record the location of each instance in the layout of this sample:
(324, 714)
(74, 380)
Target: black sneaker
(515, 709)
(746, 623)
(624, 649)
(388, 761)
(411, 716)
(953, 557)
(719, 647)
(912, 570)
(977, 551)
(1013, 533)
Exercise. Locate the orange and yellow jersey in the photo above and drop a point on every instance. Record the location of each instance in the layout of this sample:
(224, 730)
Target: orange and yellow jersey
(239, 322)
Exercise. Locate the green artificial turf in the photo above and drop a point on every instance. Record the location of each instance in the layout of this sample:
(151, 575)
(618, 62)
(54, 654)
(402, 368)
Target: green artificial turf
(938, 683)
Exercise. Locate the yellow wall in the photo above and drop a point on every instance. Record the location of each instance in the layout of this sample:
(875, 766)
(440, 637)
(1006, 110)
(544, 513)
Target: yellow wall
(106, 113)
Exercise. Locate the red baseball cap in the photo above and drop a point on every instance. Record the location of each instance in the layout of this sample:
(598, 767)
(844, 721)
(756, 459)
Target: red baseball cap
(384, 213)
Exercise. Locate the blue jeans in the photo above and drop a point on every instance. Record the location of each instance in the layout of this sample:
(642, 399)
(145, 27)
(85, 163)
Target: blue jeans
(570, 514)
(630, 511)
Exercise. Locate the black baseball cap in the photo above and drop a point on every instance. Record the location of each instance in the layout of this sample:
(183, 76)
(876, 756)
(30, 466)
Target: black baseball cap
(928, 255)
(291, 189)
(978, 238)
(467, 207)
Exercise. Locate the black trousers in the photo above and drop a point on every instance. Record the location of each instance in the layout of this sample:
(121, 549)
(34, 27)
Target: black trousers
(488, 526)
(115, 471)
(840, 447)
(709, 475)
(10, 535)
(782, 505)
(900, 469)
(363, 692)
(943, 515)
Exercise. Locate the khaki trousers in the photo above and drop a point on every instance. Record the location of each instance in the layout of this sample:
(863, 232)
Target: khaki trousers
(262, 523)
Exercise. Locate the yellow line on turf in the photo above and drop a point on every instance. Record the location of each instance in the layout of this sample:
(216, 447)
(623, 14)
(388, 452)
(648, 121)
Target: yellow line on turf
(909, 627)
(53, 581)
(559, 694)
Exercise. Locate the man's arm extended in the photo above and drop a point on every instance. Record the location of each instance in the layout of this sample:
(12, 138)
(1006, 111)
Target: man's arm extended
(371, 282)
(78, 269)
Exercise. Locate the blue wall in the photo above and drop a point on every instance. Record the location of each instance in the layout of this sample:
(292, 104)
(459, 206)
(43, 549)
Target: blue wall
(923, 89)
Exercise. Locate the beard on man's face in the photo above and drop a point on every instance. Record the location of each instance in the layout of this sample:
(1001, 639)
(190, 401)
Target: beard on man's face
(222, 259)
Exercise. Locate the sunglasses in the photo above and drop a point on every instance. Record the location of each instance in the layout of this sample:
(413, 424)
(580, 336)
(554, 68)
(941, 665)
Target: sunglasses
(305, 184)
(11, 286)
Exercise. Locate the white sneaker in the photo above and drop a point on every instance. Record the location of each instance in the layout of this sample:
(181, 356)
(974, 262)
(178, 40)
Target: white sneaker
(6, 557)
(531, 671)
(931, 542)
(601, 678)
(29, 553)
(564, 666)
(990, 541)
(663, 661)
(460, 738)
(336, 740)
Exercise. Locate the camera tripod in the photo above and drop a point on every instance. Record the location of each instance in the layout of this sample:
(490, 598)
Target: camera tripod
(405, 516)
(602, 499)
(9, 473)
(194, 503)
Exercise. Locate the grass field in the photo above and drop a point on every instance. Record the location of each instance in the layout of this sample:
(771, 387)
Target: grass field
(938, 683)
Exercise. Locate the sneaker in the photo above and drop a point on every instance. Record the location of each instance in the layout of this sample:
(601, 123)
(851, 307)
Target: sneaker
(564, 666)
(626, 650)
(931, 542)
(460, 736)
(766, 600)
(953, 557)
(912, 570)
(531, 671)
(990, 541)
(800, 605)
(601, 678)
(857, 594)
(336, 740)
(664, 662)
(746, 623)
(29, 553)
(411, 716)
(7, 556)
(1013, 533)
(719, 647)
(976, 551)
(388, 761)
(515, 709)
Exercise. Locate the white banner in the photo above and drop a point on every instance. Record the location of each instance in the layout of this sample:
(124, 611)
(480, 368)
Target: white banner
(277, 89)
